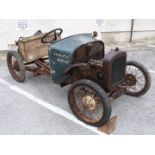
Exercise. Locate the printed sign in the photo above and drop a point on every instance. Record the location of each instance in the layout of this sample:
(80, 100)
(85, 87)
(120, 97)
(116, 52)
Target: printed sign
(22, 24)
(99, 22)
(62, 58)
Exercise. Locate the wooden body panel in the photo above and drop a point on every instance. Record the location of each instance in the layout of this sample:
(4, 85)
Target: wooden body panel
(31, 48)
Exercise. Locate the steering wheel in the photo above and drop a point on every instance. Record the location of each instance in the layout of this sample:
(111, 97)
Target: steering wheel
(57, 32)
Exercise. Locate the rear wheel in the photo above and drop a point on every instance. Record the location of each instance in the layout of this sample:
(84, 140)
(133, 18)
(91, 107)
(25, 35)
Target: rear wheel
(16, 66)
(137, 79)
(89, 102)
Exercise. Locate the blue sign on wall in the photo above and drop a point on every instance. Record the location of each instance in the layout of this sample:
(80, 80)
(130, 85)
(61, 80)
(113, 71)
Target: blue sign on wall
(99, 22)
(22, 24)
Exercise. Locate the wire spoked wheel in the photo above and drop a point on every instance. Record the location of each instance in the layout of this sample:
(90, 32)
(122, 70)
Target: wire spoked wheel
(137, 79)
(16, 66)
(89, 103)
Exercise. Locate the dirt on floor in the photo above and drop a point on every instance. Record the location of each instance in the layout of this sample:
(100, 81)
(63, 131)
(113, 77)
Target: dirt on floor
(130, 44)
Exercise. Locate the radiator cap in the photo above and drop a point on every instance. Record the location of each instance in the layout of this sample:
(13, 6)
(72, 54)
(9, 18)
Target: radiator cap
(116, 49)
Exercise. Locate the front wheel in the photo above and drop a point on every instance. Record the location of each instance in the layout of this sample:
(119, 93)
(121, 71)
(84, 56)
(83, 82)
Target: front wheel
(89, 102)
(137, 79)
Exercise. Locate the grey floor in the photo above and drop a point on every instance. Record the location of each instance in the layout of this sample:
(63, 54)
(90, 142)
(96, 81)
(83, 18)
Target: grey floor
(19, 115)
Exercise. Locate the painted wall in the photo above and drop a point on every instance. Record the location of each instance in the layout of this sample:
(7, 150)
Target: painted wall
(119, 30)
(112, 30)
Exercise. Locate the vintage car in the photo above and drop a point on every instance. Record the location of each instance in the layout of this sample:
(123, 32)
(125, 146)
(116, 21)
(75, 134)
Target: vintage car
(80, 60)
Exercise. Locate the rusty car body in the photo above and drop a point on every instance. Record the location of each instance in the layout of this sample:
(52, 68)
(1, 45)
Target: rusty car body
(80, 60)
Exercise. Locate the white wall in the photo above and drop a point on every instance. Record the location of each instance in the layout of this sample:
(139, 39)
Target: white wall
(144, 24)
(119, 30)
(9, 32)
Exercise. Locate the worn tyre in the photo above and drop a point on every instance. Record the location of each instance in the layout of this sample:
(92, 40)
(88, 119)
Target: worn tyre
(89, 102)
(138, 79)
(16, 66)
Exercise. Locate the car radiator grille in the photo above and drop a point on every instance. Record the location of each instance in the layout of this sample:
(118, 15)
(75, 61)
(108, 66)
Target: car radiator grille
(118, 69)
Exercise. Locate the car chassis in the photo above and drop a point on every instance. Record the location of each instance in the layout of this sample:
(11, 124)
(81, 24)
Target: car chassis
(80, 60)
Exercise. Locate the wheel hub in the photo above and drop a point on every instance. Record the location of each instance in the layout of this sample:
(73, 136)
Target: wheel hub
(130, 80)
(16, 66)
(88, 103)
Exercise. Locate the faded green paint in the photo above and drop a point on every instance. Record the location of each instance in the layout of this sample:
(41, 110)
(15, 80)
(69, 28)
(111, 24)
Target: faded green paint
(60, 54)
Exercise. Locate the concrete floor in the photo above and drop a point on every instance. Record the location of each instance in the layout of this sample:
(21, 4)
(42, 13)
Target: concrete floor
(19, 115)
